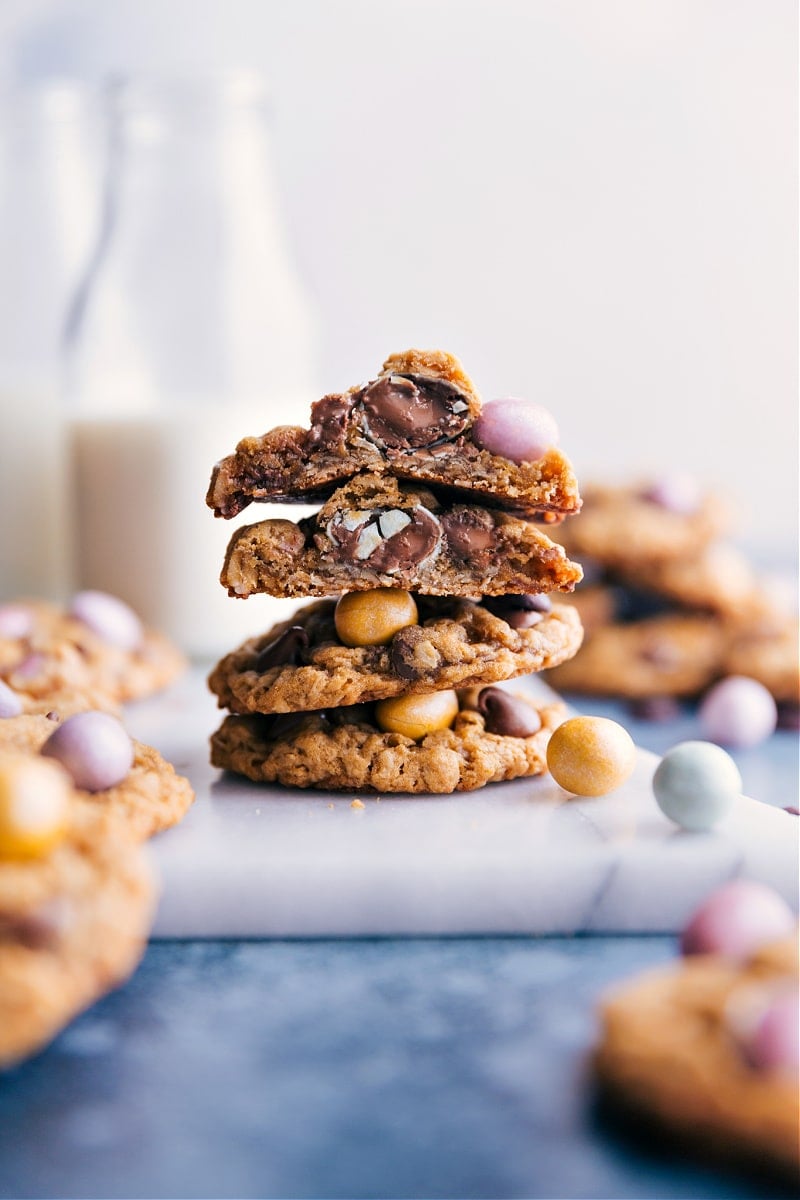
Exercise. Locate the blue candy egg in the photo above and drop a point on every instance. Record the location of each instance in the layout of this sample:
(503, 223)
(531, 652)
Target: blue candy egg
(695, 784)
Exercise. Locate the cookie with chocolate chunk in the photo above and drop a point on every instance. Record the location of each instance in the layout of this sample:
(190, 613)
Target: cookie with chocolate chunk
(344, 749)
(670, 1054)
(73, 924)
(301, 664)
(150, 798)
(415, 422)
(377, 532)
(54, 659)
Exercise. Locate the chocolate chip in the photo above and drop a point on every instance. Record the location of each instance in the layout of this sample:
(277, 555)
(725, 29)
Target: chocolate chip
(52, 715)
(520, 612)
(637, 604)
(470, 535)
(405, 412)
(412, 654)
(328, 422)
(285, 650)
(788, 715)
(660, 654)
(41, 927)
(507, 716)
(790, 808)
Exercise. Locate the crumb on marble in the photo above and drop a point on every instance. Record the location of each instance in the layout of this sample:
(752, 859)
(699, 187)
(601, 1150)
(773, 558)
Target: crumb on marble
(356, 803)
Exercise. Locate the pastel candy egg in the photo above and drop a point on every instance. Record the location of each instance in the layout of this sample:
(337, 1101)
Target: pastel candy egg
(107, 616)
(10, 702)
(515, 429)
(738, 712)
(94, 748)
(695, 784)
(772, 1044)
(676, 493)
(35, 799)
(16, 621)
(590, 756)
(736, 920)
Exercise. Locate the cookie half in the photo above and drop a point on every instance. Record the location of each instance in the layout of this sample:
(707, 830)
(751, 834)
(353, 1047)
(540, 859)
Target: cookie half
(414, 421)
(300, 664)
(72, 926)
(344, 750)
(668, 1052)
(152, 797)
(377, 532)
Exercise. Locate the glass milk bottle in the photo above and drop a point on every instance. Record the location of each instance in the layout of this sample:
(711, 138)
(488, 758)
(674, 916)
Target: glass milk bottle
(49, 192)
(192, 331)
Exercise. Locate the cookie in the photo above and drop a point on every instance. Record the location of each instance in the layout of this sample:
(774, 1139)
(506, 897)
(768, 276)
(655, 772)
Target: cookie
(377, 532)
(669, 1052)
(623, 527)
(769, 656)
(73, 925)
(672, 655)
(54, 660)
(152, 797)
(300, 664)
(414, 422)
(343, 749)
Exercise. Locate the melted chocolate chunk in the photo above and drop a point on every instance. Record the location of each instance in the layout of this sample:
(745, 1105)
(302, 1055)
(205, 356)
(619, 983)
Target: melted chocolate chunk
(412, 654)
(637, 604)
(389, 540)
(39, 929)
(507, 716)
(788, 715)
(407, 412)
(520, 612)
(285, 650)
(471, 536)
(328, 422)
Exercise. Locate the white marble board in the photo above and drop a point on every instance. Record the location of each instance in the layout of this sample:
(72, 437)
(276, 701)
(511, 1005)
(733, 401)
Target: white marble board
(520, 857)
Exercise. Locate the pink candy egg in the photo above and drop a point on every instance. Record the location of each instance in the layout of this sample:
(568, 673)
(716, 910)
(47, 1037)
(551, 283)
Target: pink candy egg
(515, 429)
(738, 712)
(736, 920)
(773, 1043)
(110, 618)
(16, 621)
(676, 493)
(94, 748)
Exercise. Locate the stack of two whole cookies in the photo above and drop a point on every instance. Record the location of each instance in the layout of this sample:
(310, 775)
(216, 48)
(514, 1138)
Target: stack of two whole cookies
(432, 539)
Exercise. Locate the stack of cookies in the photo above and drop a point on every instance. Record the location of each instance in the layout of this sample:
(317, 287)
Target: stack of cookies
(433, 572)
(670, 607)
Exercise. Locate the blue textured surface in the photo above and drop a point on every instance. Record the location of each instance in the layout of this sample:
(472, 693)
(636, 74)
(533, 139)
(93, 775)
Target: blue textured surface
(413, 1068)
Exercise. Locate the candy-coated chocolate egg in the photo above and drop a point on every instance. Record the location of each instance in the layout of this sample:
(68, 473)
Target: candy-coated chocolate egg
(676, 493)
(515, 429)
(773, 1044)
(736, 919)
(16, 621)
(373, 618)
(695, 784)
(10, 702)
(35, 798)
(738, 712)
(109, 617)
(417, 716)
(94, 748)
(590, 756)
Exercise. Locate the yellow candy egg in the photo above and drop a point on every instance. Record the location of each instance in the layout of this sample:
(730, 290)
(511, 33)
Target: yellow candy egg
(35, 799)
(590, 756)
(373, 618)
(417, 716)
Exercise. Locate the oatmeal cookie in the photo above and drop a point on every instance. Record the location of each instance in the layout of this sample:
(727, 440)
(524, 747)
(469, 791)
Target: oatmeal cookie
(377, 532)
(344, 750)
(668, 1053)
(56, 661)
(152, 797)
(414, 422)
(300, 664)
(73, 925)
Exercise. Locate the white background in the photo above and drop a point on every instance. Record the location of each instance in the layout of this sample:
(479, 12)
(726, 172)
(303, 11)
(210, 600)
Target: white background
(593, 203)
